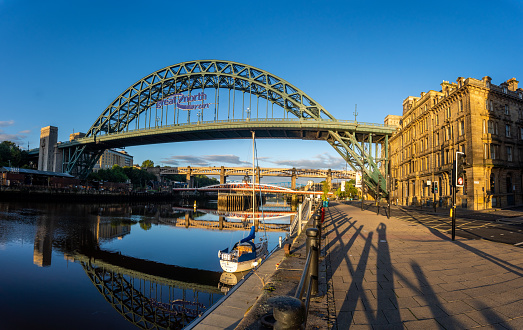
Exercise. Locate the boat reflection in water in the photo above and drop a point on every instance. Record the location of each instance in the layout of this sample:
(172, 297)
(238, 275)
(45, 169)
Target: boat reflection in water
(229, 280)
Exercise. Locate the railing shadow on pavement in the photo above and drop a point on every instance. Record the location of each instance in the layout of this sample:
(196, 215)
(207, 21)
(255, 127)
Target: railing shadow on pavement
(386, 310)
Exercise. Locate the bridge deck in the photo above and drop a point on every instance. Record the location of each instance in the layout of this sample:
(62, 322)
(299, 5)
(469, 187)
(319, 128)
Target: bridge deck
(305, 129)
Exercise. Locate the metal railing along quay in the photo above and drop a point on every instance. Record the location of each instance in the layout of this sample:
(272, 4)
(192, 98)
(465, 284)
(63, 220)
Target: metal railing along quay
(291, 312)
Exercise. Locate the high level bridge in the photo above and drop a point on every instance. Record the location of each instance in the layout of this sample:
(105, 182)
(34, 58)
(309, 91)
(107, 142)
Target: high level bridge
(225, 171)
(210, 100)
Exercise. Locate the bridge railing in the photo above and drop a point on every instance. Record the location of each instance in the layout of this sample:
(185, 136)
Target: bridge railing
(224, 121)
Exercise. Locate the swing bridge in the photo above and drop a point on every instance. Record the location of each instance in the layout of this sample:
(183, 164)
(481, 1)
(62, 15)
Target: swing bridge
(230, 100)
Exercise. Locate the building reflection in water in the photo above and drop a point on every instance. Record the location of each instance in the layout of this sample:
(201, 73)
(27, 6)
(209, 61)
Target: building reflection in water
(146, 293)
(43, 244)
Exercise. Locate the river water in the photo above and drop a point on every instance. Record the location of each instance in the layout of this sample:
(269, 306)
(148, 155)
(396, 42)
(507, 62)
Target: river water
(114, 266)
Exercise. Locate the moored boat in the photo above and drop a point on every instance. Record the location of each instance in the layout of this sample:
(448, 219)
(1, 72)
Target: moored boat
(244, 255)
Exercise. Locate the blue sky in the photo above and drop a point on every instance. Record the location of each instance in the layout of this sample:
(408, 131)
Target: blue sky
(63, 62)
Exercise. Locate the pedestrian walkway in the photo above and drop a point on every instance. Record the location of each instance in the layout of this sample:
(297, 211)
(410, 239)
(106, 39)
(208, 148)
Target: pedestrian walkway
(387, 273)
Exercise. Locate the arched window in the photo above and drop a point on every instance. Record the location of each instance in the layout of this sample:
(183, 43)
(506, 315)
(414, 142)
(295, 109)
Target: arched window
(492, 183)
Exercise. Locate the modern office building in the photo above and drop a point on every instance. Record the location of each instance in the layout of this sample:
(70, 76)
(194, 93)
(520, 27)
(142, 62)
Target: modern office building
(476, 117)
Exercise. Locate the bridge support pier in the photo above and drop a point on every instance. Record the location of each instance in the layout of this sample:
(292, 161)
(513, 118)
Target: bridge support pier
(221, 220)
(223, 177)
(189, 178)
(187, 220)
(257, 175)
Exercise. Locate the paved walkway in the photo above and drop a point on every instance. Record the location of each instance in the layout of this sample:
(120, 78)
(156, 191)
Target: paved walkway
(388, 273)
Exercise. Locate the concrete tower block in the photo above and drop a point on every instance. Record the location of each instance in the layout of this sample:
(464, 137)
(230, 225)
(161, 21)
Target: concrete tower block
(46, 154)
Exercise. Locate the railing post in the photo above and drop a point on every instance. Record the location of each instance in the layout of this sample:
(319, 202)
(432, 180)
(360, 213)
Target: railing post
(313, 248)
(300, 208)
(317, 224)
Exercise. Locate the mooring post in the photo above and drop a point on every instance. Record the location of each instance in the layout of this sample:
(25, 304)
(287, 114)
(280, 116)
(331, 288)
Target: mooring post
(289, 312)
(313, 248)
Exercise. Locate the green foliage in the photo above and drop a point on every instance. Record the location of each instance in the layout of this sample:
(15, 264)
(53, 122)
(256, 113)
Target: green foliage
(145, 225)
(350, 189)
(325, 189)
(138, 178)
(203, 181)
(147, 163)
(10, 152)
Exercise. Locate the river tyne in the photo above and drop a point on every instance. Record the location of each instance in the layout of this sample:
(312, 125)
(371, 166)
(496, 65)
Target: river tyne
(119, 266)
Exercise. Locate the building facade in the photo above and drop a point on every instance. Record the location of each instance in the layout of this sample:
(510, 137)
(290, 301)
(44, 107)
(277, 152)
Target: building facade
(112, 157)
(476, 117)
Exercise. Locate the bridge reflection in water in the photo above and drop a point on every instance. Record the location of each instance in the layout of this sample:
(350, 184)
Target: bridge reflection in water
(154, 295)
(156, 299)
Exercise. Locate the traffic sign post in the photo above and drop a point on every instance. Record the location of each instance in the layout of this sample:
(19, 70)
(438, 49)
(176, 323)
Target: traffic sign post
(459, 170)
(458, 181)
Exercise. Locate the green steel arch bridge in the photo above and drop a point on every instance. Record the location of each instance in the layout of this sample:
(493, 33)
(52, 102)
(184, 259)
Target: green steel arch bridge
(210, 100)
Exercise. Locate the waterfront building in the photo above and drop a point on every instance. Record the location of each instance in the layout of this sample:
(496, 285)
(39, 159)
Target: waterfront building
(112, 157)
(476, 117)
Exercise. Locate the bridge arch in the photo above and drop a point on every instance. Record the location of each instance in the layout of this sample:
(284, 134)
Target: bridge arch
(142, 104)
(202, 74)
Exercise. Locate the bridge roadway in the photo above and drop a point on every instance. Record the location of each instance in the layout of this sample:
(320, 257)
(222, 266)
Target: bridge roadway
(225, 171)
(286, 128)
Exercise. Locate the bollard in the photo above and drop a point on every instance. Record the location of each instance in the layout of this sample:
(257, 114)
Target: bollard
(322, 215)
(289, 312)
(313, 248)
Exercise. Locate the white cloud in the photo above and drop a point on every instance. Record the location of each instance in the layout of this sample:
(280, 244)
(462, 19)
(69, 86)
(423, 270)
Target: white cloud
(321, 161)
(206, 160)
(6, 123)
(16, 138)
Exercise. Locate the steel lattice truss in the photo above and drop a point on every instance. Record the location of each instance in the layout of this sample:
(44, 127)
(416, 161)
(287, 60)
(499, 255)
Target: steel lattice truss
(359, 158)
(200, 75)
(213, 74)
(136, 308)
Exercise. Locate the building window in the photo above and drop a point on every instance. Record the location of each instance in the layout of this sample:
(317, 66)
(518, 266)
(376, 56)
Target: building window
(506, 109)
(436, 138)
(485, 151)
(448, 113)
(507, 130)
(460, 105)
(504, 89)
(492, 151)
(509, 153)
(509, 183)
(490, 127)
(462, 127)
(521, 133)
(492, 183)
(489, 105)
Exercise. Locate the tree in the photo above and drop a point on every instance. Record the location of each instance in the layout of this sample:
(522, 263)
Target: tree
(11, 154)
(351, 189)
(326, 189)
(147, 163)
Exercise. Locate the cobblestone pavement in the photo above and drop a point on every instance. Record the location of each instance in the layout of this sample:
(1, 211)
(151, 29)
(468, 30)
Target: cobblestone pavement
(389, 273)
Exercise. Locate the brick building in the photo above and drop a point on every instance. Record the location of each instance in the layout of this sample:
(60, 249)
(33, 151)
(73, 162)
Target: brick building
(481, 119)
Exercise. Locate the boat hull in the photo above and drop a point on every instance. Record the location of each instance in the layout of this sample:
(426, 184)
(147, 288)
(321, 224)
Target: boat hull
(233, 266)
(230, 265)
